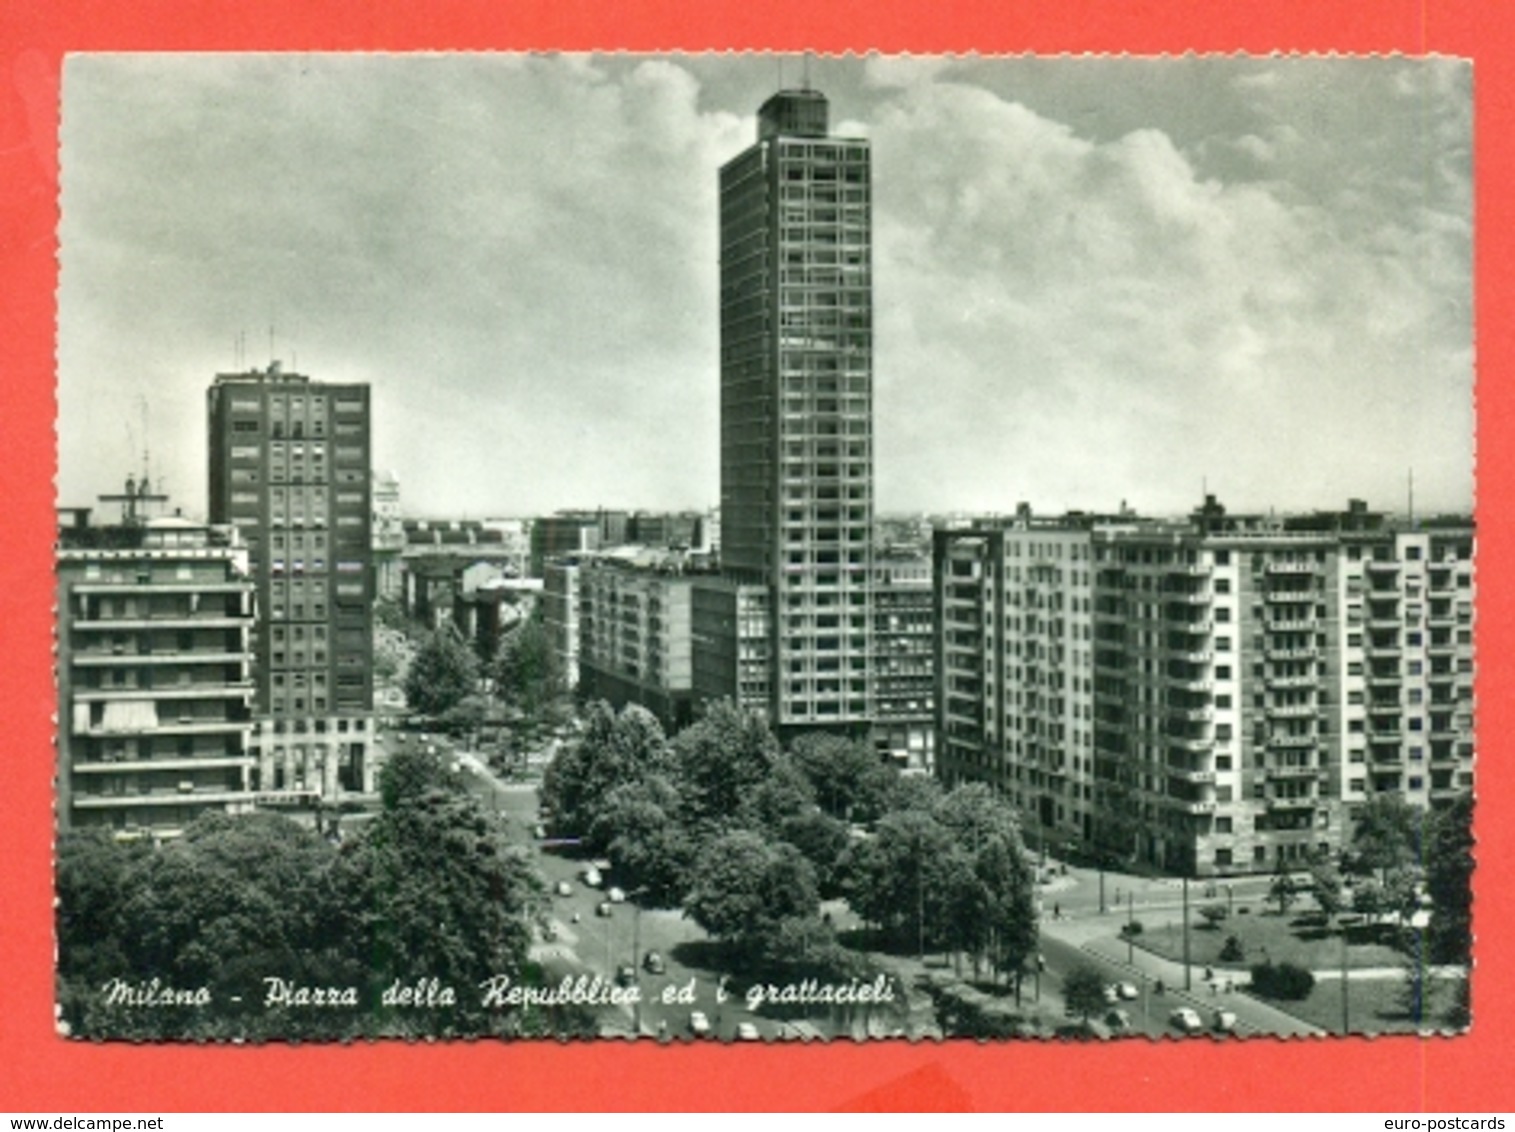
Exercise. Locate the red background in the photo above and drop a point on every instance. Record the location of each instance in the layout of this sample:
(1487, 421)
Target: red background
(39, 1071)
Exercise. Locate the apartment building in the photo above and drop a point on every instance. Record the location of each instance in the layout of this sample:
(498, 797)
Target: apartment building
(155, 690)
(1249, 679)
(290, 468)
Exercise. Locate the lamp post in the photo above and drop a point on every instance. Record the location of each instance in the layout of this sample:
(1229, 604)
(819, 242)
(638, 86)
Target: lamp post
(1188, 973)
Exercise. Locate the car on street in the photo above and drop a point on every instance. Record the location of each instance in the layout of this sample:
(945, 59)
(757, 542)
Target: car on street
(653, 963)
(591, 876)
(625, 975)
(1112, 996)
(616, 896)
(1126, 991)
(603, 908)
(1224, 1021)
(699, 1025)
(1187, 1020)
(1118, 1022)
(563, 888)
(747, 1032)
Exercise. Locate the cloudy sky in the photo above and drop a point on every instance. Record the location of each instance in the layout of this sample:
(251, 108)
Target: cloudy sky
(1095, 280)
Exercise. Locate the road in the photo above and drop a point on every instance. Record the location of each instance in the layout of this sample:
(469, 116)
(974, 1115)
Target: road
(1074, 930)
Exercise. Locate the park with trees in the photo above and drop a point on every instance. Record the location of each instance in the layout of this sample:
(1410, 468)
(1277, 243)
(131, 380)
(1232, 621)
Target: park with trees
(256, 927)
(749, 838)
(1392, 909)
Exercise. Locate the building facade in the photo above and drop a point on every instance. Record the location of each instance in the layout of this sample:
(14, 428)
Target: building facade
(1206, 697)
(290, 468)
(904, 664)
(388, 537)
(155, 721)
(635, 642)
(796, 407)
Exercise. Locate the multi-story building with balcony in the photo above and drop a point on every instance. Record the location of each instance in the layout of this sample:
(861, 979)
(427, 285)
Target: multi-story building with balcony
(904, 694)
(635, 641)
(290, 468)
(1013, 605)
(155, 686)
(1252, 679)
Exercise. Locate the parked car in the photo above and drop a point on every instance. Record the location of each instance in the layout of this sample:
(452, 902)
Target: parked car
(1186, 1019)
(616, 896)
(1112, 996)
(1224, 1021)
(653, 963)
(699, 1025)
(603, 908)
(563, 888)
(747, 1032)
(1118, 1021)
(625, 975)
(591, 876)
(1127, 991)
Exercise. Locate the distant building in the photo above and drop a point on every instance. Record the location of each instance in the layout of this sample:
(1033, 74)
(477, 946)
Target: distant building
(1206, 697)
(290, 468)
(155, 689)
(682, 530)
(560, 613)
(574, 532)
(388, 536)
(635, 643)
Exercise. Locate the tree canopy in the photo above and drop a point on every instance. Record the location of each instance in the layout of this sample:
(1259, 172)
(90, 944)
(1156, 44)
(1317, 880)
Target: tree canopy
(442, 673)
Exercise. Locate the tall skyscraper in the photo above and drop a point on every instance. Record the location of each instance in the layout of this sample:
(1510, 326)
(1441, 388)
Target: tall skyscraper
(290, 468)
(797, 406)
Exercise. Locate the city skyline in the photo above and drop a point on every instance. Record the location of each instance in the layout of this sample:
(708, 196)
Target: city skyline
(1272, 271)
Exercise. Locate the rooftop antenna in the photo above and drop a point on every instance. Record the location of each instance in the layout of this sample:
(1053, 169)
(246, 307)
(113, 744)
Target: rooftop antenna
(146, 447)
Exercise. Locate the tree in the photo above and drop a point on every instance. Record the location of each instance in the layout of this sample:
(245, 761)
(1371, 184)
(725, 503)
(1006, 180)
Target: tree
(1213, 914)
(722, 759)
(612, 750)
(991, 901)
(409, 772)
(1449, 882)
(430, 889)
(237, 899)
(1283, 888)
(1386, 835)
(1326, 886)
(824, 841)
(782, 794)
(638, 827)
(902, 877)
(743, 887)
(851, 782)
(443, 672)
(528, 673)
(1084, 991)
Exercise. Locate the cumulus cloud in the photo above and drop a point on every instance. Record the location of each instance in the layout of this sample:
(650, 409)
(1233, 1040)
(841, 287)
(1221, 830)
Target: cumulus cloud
(1087, 320)
(1268, 289)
